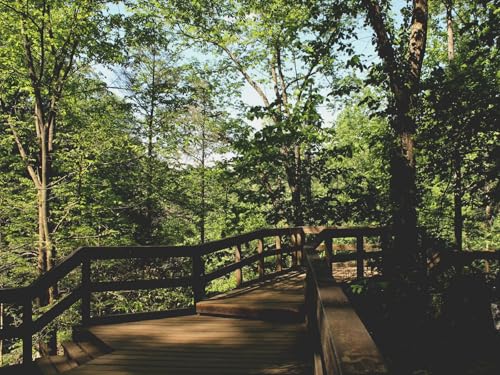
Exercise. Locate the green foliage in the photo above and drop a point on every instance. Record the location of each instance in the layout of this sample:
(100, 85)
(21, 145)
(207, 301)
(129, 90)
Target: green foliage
(460, 121)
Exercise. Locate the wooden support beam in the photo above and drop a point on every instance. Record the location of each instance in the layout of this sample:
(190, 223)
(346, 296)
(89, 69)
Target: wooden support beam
(293, 245)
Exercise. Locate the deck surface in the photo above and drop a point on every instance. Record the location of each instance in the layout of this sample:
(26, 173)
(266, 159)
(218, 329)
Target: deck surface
(280, 299)
(203, 344)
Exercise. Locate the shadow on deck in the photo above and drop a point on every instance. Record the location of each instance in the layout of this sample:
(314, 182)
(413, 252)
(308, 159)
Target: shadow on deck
(205, 344)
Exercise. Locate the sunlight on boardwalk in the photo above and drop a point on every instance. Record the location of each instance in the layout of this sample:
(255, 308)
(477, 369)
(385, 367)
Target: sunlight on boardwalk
(202, 344)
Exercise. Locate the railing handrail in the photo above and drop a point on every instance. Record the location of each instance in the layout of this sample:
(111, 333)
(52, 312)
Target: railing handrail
(342, 345)
(73, 260)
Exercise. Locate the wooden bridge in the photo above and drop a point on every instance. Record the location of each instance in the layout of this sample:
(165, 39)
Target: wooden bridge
(286, 314)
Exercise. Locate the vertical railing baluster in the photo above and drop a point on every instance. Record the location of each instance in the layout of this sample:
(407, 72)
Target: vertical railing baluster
(260, 251)
(360, 267)
(27, 331)
(86, 290)
(197, 276)
(329, 254)
(238, 273)
(293, 244)
(300, 248)
(279, 259)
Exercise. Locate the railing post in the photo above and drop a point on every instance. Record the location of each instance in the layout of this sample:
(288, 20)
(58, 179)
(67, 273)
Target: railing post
(27, 331)
(260, 251)
(360, 267)
(300, 247)
(85, 290)
(329, 254)
(293, 243)
(279, 260)
(238, 273)
(197, 275)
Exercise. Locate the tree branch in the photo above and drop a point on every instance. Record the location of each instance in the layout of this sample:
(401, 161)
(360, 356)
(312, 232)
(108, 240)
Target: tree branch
(24, 156)
(384, 45)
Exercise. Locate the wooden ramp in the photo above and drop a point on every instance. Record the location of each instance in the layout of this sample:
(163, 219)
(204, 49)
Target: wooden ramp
(280, 299)
(204, 344)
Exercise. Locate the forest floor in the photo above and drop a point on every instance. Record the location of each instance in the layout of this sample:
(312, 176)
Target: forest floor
(416, 346)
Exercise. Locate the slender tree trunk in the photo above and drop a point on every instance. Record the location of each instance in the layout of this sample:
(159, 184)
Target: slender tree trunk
(150, 160)
(1, 340)
(457, 158)
(203, 182)
(296, 188)
(403, 192)
(307, 183)
(449, 29)
(47, 252)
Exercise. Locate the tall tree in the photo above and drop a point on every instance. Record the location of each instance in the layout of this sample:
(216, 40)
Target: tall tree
(403, 68)
(152, 79)
(44, 43)
(457, 159)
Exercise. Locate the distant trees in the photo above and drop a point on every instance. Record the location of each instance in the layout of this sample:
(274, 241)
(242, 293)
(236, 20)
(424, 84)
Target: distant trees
(459, 132)
(282, 50)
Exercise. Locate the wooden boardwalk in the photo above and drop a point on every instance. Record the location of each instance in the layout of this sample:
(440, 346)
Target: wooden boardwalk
(206, 344)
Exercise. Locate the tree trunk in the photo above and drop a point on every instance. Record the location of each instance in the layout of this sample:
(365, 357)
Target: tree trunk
(457, 159)
(298, 218)
(404, 82)
(1, 340)
(403, 193)
(46, 250)
(458, 220)
(203, 182)
(150, 159)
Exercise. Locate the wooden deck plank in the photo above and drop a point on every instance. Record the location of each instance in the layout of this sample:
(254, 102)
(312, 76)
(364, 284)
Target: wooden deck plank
(209, 345)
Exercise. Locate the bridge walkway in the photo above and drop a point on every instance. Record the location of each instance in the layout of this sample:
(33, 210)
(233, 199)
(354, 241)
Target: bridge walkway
(246, 336)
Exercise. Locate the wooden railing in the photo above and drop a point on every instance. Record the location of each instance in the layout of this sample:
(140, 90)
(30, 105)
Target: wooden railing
(327, 236)
(341, 343)
(269, 243)
(251, 249)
